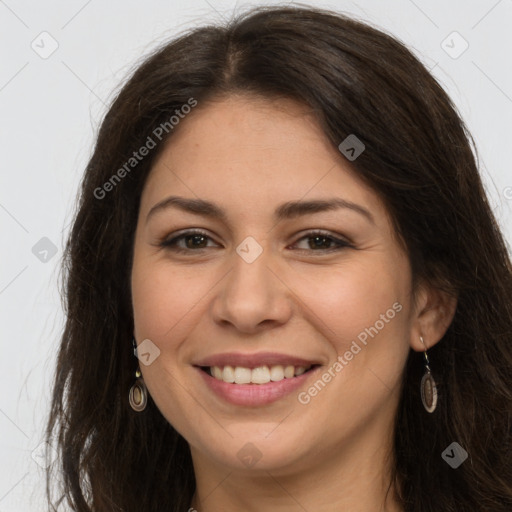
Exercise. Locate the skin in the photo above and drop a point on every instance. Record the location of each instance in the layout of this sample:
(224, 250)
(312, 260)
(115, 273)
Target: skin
(250, 155)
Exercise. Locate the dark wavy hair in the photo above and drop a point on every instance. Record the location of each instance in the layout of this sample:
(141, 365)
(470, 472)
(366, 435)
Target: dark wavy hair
(421, 161)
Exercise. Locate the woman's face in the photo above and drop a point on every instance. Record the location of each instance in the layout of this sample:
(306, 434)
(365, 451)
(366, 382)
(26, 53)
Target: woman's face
(260, 291)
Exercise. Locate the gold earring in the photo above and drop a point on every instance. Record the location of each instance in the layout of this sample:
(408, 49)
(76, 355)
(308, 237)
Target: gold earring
(428, 386)
(138, 396)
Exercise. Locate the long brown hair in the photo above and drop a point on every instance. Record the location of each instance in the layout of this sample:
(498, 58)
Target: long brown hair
(421, 161)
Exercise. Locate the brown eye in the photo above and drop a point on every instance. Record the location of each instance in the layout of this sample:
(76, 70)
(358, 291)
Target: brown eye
(193, 241)
(319, 241)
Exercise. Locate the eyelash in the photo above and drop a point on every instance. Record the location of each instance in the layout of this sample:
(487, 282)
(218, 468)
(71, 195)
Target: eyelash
(170, 244)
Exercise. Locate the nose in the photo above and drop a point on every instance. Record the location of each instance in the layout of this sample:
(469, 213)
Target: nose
(252, 297)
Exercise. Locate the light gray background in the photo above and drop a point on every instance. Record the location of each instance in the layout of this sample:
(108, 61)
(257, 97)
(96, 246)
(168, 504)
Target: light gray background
(50, 111)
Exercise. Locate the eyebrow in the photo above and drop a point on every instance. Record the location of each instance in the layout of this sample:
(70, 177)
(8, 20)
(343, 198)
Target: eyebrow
(288, 210)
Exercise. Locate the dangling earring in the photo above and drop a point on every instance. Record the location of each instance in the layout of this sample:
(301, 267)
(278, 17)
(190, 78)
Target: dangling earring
(428, 386)
(138, 396)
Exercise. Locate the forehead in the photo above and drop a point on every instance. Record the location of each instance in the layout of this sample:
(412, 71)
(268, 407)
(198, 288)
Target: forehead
(250, 153)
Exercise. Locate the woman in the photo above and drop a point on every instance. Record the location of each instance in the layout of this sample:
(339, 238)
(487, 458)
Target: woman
(284, 217)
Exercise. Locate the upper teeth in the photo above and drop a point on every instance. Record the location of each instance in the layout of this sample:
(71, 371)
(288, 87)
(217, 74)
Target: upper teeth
(259, 375)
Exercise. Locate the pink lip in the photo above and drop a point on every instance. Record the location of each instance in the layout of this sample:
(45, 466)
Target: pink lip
(253, 360)
(255, 394)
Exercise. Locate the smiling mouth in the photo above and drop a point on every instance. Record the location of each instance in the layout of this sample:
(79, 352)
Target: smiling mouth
(259, 375)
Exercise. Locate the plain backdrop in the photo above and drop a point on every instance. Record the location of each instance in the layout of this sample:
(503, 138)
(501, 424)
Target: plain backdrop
(61, 63)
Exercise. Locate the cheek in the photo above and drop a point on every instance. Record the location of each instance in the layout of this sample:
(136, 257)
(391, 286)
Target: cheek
(166, 304)
(162, 298)
(346, 299)
(361, 310)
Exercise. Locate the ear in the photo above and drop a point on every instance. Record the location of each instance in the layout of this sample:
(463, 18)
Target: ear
(433, 313)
